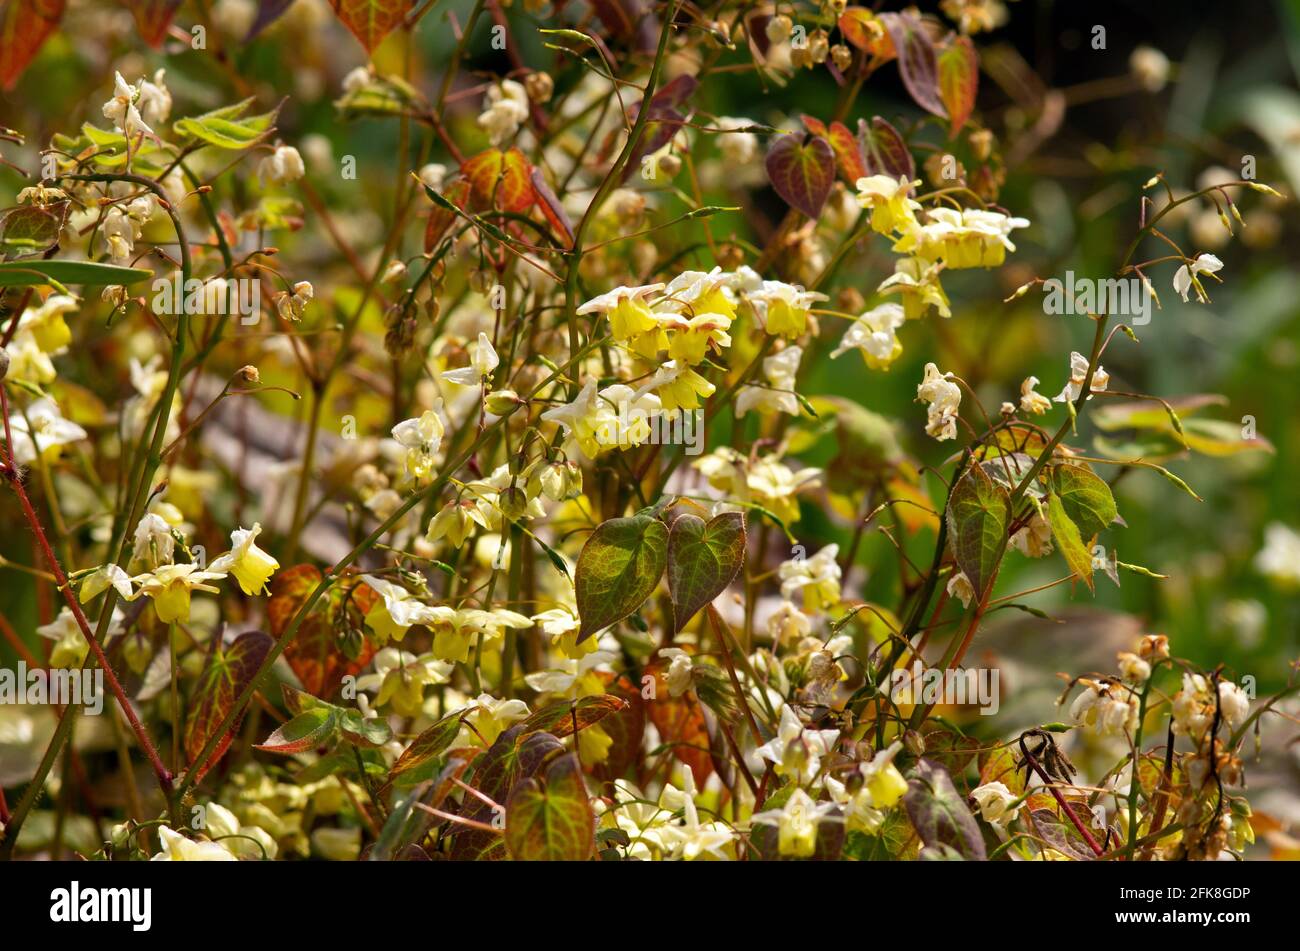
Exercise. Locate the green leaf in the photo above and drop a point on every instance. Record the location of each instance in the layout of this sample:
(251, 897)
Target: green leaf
(618, 569)
(26, 273)
(418, 760)
(978, 512)
(306, 731)
(802, 170)
(940, 815)
(30, 230)
(364, 731)
(1066, 534)
(1086, 498)
(550, 819)
(703, 558)
(225, 129)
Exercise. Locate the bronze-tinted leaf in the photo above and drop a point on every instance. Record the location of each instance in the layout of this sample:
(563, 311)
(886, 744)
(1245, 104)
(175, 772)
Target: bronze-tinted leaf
(978, 513)
(153, 17)
(802, 170)
(565, 717)
(549, 817)
(24, 26)
(551, 208)
(618, 569)
(941, 816)
(227, 673)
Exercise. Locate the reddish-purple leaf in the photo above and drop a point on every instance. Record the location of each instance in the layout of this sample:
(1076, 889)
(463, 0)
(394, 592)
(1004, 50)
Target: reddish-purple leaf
(802, 170)
(884, 150)
(916, 60)
(268, 11)
(959, 74)
(24, 26)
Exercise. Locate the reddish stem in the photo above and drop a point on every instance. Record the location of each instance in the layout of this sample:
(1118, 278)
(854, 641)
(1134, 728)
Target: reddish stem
(11, 473)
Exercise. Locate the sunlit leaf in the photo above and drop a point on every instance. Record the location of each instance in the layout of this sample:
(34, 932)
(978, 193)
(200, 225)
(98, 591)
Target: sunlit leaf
(703, 558)
(802, 170)
(618, 569)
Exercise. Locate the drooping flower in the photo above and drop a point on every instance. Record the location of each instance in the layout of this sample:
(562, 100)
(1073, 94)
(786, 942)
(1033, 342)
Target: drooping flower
(170, 587)
(780, 370)
(873, 335)
(1188, 276)
(123, 110)
(400, 678)
(283, 166)
(1279, 559)
(943, 398)
(796, 823)
(917, 282)
(890, 201)
(483, 361)
(1078, 371)
(784, 308)
(507, 110)
(1031, 401)
(251, 566)
(421, 438)
(46, 323)
(817, 578)
(41, 430)
(678, 386)
(995, 803)
(177, 848)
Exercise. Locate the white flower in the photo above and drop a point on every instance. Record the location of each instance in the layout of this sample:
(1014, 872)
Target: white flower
(155, 101)
(737, 148)
(817, 577)
(1031, 401)
(873, 333)
(433, 175)
(48, 430)
(679, 670)
(1188, 276)
(943, 398)
(1150, 67)
(122, 109)
(421, 438)
(995, 803)
(177, 848)
(1279, 559)
(1079, 370)
(1108, 708)
(153, 543)
(400, 678)
(399, 610)
(778, 396)
(483, 360)
(507, 110)
(797, 752)
(282, 166)
(104, 577)
(1035, 539)
(692, 838)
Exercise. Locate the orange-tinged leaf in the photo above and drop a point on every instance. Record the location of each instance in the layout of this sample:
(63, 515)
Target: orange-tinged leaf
(371, 20)
(848, 153)
(549, 817)
(500, 179)
(315, 653)
(864, 30)
(24, 26)
(802, 170)
(814, 125)
(565, 717)
(959, 73)
(624, 728)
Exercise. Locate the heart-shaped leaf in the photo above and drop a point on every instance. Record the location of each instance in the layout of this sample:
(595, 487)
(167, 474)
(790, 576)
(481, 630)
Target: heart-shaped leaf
(24, 26)
(940, 815)
(864, 30)
(703, 558)
(978, 511)
(30, 230)
(317, 652)
(916, 60)
(884, 150)
(268, 11)
(1086, 498)
(227, 673)
(371, 20)
(618, 569)
(550, 818)
(802, 170)
(959, 74)
(417, 760)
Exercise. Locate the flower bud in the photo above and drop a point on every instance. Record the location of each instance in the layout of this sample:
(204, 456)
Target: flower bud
(500, 402)
(540, 87)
